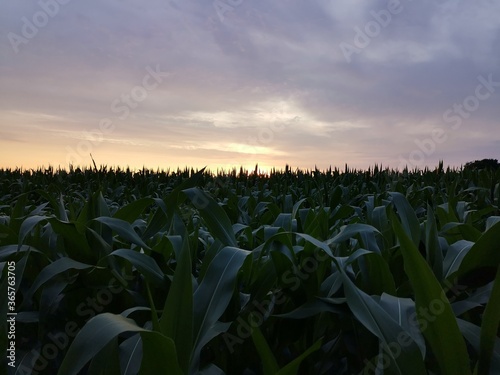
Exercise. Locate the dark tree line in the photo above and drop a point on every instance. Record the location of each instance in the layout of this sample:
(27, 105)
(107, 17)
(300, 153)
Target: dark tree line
(483, 164)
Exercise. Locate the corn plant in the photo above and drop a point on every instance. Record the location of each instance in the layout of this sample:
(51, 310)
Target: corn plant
(294, 272)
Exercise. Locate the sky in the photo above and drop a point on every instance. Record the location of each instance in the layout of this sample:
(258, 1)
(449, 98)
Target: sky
(230, 83)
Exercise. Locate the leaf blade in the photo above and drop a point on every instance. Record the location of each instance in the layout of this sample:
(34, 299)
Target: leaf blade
(442, 332)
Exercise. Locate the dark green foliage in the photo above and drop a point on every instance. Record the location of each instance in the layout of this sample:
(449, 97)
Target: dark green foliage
(491, 164)
(293, 272)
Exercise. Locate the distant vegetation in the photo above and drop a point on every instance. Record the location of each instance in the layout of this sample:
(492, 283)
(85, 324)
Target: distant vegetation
(295, 272)
(491, 164)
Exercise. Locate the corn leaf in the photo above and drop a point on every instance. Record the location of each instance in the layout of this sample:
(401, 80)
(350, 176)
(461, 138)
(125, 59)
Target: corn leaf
(439, 328)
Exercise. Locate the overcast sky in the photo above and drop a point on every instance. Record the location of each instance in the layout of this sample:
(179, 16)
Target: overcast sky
(238, 82)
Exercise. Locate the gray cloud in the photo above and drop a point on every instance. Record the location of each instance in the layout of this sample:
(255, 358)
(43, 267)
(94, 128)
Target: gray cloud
(231, 82)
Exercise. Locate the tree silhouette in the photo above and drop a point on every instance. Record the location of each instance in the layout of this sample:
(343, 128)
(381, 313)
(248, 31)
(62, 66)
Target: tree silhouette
(491, 164)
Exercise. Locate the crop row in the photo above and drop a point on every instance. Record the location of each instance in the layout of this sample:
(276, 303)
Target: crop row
(294, 272)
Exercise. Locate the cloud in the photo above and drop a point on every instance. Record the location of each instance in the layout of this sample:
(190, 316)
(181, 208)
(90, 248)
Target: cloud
(271, 76)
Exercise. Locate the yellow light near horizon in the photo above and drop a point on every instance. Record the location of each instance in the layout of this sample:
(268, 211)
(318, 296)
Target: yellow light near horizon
(253, 150)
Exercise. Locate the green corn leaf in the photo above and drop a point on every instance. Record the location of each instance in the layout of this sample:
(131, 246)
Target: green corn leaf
(492, 220)
(454, 256)
(124, 230)
(55, 268)
(131, 350)
(132, 211)
(57, 204)
(403, 311)
(398, 345)
(351, 230)
(75, 240)
(313, 307)
(159, 355)
(19, 207)
(439, 328)
(472, 333)
(489, 328)
(379, 278)
(177, 318)
(466, 231)
(484, 253)
(213, 295)
(214, 216)
(145, 264)
(28, 225)
(283, 221)
(434, 255)
(292, 368)
(103, 328)
(269, 364)
(408, 217)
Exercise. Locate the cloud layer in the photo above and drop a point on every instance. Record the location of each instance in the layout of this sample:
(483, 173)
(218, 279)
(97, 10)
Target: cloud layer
(242, 82)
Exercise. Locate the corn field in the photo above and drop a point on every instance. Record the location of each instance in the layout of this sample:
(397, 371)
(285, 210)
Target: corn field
(236, 272)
